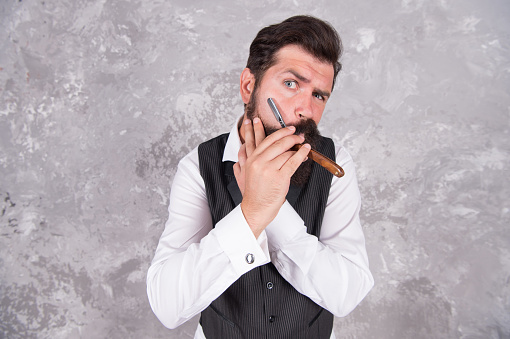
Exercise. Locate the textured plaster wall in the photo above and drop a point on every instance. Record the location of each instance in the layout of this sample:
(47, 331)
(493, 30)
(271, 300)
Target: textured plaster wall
(100, 99)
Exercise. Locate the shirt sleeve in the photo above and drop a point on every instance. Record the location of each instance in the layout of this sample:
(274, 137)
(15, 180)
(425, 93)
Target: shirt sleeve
(332, 270)
(194, 262)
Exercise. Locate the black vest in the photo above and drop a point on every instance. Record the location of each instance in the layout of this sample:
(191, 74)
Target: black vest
(261, 303)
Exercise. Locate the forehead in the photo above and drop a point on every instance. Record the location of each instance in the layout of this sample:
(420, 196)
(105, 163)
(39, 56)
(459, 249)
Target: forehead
(293, 57)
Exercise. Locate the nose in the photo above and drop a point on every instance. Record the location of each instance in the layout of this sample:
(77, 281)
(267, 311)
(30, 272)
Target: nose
(304, 109)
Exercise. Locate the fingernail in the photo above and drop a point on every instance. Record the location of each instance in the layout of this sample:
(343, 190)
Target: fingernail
(292, 128)
(247, 121)
(307, 146)
(256, 120)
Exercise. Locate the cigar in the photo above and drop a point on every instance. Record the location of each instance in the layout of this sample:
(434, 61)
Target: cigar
(319, 158)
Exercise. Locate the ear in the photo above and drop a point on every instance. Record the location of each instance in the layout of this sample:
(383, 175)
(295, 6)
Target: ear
(247, 85)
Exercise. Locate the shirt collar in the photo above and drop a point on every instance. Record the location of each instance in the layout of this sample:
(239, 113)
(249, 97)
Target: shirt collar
(233, 144)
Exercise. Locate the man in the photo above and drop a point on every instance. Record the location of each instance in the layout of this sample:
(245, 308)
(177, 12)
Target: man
(260, 240)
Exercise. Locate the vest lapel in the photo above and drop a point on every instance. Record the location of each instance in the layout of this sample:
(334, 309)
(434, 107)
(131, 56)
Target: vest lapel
(293, 195)
(233, 189)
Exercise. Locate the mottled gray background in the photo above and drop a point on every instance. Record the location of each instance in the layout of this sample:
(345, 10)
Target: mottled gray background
(101, 98)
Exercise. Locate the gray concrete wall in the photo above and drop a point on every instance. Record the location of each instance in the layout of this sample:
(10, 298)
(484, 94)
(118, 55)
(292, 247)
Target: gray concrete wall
(101, 98)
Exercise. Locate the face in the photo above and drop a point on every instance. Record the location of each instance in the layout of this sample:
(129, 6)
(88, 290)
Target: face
(299, 84)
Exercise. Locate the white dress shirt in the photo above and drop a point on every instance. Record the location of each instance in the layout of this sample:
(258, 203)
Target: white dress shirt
(195, 263)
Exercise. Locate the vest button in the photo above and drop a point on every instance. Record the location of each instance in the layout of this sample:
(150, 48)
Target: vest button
(269, 285)
(272, 318)
(250, 258)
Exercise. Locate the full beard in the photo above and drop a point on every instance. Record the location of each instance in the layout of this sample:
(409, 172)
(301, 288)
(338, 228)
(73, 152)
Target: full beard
(308, 128)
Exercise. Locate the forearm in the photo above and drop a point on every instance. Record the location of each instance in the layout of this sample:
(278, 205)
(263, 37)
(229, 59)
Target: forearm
(332, 281)
(181, 285)
(182, 282)
(335, 278)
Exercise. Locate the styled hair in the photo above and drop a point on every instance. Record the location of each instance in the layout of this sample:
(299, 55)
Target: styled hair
(315, 36)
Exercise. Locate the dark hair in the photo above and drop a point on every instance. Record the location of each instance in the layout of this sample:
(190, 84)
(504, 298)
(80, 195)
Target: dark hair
(315, 36)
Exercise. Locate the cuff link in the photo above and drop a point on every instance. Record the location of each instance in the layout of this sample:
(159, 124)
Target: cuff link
(250, 258)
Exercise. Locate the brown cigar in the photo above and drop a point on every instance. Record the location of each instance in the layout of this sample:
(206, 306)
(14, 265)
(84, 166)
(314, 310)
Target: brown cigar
(323, 160)
(319, 158)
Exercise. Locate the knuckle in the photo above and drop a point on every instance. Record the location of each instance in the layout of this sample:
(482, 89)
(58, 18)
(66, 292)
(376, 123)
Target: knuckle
(292, 163)
(255, 165)
(295, 161)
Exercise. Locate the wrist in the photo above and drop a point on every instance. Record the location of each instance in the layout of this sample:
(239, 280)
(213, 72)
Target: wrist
(255, 226)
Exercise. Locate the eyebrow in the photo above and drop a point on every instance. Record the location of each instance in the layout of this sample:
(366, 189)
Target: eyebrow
(307, 81)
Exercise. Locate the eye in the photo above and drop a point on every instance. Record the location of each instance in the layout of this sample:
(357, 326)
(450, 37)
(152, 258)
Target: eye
(318, 96)
(290, 83)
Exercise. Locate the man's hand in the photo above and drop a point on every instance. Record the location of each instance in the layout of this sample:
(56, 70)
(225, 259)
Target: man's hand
(264, 170)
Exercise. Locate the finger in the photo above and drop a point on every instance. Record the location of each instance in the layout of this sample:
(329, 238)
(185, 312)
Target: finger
(249, 137)
(237, 170)
(275, 137)
(280, 160)
(238, 173)
(279, 147)
(241, 155)
(258, 129)
(295, 161)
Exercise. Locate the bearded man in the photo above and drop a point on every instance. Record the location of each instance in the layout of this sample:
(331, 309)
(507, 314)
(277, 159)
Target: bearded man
(261, 240)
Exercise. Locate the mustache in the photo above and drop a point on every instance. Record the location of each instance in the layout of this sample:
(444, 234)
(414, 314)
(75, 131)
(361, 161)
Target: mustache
(306, 127)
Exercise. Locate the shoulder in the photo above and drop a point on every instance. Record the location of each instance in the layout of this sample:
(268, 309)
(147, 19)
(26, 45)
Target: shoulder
(192, 158)
(189, 163)
(343, 157)
(220, 140)
(345, 160)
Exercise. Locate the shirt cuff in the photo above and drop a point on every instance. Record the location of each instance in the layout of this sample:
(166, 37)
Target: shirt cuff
(238, 242)
(284, 227)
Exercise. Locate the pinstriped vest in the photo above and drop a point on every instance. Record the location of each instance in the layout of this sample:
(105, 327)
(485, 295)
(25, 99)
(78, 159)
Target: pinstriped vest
(261, 303)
